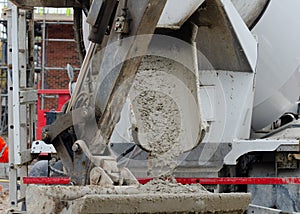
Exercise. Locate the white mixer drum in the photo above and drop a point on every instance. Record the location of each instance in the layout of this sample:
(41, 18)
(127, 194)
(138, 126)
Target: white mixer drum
(278, 78)
(250, 10)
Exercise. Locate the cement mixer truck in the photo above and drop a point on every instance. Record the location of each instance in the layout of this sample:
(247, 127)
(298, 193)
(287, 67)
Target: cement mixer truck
(201, 91)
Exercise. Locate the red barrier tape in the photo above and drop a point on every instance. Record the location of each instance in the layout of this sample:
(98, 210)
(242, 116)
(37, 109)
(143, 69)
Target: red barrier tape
(46, 180)
(224, 181)
(234, 181)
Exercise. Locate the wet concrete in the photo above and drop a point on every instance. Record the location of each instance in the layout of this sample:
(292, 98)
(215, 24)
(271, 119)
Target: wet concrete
(95, 199)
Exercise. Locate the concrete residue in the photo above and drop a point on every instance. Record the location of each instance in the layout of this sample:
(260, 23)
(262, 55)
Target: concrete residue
(170, 186)
(155, 186)
(4, 205)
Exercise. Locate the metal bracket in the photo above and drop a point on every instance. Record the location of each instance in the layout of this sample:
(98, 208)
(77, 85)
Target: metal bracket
(105, 172)
(284, 161)
(25, 156)
(40, 146)
(51, 132)
(28, 96)
(122, 25)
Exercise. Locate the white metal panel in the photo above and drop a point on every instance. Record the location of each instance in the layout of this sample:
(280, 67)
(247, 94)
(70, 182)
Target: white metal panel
(232, 105)
(208, 100)
(245, 37)
(176, 12)
(231, 102)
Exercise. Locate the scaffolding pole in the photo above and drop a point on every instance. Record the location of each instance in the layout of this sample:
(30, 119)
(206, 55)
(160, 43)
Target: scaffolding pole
(43, 57)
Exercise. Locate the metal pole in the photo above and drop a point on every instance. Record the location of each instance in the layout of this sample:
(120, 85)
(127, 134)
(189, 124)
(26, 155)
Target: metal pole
(55, 23)
(23, 115)
(16, 84)
(43, 57)
(58, 68)
(82, 74)
(60, 40)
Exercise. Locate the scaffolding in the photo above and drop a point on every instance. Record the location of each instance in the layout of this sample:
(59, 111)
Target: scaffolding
(49, 64)
(44, 17)
(25, 67)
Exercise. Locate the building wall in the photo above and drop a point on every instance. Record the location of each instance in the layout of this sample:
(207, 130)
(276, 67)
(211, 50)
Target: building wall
(57, 55)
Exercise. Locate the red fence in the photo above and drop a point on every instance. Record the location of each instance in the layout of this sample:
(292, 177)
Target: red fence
(61, 96)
